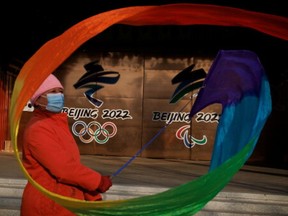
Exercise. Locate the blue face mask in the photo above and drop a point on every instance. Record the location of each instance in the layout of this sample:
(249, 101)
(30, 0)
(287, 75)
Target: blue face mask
(55, 102)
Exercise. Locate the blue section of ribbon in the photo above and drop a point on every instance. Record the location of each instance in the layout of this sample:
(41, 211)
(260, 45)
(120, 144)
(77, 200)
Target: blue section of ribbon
(236, 80)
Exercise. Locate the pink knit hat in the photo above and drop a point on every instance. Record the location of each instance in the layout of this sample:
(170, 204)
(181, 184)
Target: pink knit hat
(50, 83)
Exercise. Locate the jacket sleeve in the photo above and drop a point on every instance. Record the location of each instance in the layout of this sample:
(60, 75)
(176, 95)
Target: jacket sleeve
(62, 160)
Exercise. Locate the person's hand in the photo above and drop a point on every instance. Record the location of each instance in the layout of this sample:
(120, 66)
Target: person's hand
(105, 184)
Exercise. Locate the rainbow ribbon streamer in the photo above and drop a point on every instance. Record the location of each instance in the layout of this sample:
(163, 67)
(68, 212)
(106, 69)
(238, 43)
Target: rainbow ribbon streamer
(189, 198)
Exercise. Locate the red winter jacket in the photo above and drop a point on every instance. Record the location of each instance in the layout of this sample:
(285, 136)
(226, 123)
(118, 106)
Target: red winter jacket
(51, 156)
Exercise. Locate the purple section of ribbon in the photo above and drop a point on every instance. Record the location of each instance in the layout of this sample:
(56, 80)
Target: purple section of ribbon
(234, 73)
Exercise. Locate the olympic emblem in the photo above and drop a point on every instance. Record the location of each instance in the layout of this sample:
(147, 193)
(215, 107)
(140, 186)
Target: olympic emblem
(188, 140)
(94, 131)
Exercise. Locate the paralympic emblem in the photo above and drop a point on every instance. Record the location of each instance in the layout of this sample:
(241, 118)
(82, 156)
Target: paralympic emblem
(188, 140)
(94, 131)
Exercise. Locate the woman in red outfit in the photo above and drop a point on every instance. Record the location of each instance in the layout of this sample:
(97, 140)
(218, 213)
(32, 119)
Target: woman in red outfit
(52, 158)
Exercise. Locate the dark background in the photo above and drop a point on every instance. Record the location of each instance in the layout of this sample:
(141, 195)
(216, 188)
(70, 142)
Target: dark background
(27, 25)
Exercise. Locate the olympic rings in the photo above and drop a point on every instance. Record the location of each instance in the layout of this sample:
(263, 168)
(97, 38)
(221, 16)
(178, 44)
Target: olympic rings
(94, 134)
